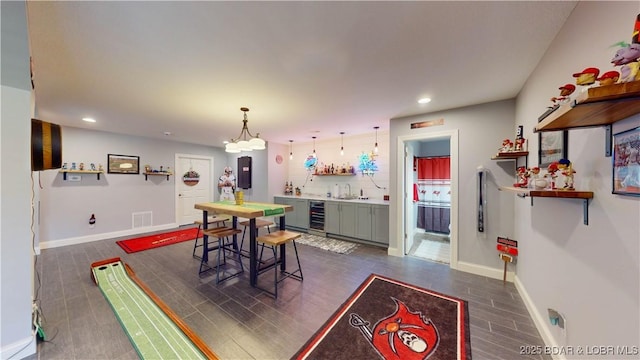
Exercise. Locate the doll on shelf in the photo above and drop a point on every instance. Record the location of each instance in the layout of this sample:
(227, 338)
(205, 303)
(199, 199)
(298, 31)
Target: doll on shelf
(507, 146)
(523, 177)
(565, 94)
(519, 144)
(552, 169)
(566, 169)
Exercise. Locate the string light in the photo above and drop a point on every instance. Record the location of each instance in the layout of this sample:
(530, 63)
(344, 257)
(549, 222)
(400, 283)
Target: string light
(375, 149)
(341, 142)
(290, 149)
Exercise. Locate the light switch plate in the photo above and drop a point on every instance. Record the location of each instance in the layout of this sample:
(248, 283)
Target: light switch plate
(74, 177)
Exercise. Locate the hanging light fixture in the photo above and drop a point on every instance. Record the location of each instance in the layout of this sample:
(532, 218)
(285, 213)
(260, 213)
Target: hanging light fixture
(375, 149)
(242, 143)
(290, 149)
(314, 146)
(341, 142)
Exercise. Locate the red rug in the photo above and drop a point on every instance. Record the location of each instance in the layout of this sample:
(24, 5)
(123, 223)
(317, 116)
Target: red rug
(389, 319)
(157, 240)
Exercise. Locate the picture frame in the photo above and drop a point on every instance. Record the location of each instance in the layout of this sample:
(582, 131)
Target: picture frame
(123, 164)
(553, 146)
(626, 163)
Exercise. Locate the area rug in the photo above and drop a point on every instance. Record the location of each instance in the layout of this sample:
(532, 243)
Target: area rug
(157, 240)
(325, 243)
(389, 319)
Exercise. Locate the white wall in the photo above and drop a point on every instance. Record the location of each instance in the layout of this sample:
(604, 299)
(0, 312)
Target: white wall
(16, 254)
(66, 206)
(588, 273)
(481, 130)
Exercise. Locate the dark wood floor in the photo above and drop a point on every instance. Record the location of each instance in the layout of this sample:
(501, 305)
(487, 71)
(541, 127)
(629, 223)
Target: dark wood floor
(241, 322)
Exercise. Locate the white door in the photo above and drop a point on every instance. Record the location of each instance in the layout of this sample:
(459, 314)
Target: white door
(194, 189)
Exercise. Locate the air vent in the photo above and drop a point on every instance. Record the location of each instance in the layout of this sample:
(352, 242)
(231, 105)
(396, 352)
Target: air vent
(141, 219)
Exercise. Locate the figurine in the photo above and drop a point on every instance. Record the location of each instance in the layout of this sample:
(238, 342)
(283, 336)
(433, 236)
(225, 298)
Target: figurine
(587, 77)
(81, 166)
(93, 167)
(520, 144)
(566, 169)
(73, 166)
(628, 57)
(609, 78)
(552, 169)
(507, 146)
(536, 181)
(227, 185)
(523, 177)
(64, 166)
(565, 94)
(100, 168)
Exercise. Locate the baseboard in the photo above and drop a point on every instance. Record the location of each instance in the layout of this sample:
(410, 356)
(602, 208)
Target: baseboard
(102, 236)
(20, 349)
(539, 320)
(484, 271)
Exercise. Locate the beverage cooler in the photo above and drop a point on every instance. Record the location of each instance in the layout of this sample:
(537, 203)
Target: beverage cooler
(316, 218)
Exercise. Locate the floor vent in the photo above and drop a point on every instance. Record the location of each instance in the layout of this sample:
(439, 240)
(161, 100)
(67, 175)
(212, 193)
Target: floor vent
(141, 219)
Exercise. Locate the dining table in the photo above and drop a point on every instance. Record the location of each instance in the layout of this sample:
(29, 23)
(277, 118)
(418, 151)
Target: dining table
(248, 210)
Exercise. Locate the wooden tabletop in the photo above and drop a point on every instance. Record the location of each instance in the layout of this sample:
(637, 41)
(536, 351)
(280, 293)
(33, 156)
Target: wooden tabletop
(247, 210)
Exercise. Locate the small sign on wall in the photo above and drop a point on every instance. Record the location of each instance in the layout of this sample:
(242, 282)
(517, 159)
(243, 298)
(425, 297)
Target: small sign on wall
(423, 124)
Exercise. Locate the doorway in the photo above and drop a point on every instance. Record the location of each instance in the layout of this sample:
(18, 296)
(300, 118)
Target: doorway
(440, 247)
(194, 174)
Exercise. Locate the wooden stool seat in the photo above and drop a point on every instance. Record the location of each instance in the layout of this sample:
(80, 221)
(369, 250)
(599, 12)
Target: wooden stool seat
(279, 239)
(212, 220)
(222, 233)
(260, 223)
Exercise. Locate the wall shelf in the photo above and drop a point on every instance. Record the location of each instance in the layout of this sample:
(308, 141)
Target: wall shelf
(603, 105)
(162, 173)
(345, 174)
(65, 172)
(566, 194)
(513, 155)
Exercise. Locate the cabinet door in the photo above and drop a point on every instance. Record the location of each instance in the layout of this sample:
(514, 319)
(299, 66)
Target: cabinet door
(348, 219)
(301, 213)
(363, 221)
(332, 217)
(380, 223)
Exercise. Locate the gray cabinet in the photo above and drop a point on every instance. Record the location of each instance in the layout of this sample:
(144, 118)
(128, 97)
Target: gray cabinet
(372, 223)
(299, 217)
(363, 221)
(340, 218)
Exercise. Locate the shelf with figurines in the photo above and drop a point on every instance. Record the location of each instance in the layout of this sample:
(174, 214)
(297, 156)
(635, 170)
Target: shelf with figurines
(80, 169)
(513, 150)
(531, 183)
(614, 98)
(148, 171)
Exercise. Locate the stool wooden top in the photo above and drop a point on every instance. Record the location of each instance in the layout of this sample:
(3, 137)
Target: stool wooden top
(259, 223)
(213, 219)
(278, 237)
(221, 232)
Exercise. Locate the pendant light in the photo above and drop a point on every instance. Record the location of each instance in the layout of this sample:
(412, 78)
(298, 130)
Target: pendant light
(375, 149)
(242, 143)
(341, 142)
(314, 146)
(290, 149)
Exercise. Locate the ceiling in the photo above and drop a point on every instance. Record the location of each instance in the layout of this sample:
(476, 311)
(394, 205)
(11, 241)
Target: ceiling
(302, 68)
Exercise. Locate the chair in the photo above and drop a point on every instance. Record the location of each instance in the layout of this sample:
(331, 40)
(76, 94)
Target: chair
(260, 223)
(222, 246)
(213, 220)
(279, 239)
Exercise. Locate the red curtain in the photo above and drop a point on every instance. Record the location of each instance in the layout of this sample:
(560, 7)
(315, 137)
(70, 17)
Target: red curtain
(434, 193)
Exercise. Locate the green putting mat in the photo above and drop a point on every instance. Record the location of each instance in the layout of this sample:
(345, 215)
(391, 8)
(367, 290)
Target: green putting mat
(151, 331)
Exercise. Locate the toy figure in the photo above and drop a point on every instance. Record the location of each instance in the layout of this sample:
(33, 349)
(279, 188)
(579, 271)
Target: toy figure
(609, 78)
(93, 167)
(227, 185)
(552, 169)
(520, 144)
(566, 169)
(100, 168)
(64, 166)
(73, 166)
(587, 77)
(523, 177)
(507, 146)
(565, 94)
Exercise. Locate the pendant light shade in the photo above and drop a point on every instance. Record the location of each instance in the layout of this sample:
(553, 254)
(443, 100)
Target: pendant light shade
(314, 146)
(290, 149)
(341, 142)
(375, 148)
(245, 141)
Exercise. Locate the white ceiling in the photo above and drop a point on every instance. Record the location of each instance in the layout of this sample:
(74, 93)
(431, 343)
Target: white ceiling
(303, 68)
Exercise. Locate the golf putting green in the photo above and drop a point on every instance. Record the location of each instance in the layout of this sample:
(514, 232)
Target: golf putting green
(154, 330)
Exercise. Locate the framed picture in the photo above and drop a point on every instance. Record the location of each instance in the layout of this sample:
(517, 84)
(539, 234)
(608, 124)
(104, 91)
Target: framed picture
(626, 162)
(553, 147)
(123, 164)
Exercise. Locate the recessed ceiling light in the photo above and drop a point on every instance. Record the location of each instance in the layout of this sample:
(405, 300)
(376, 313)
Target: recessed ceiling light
(424, 101)
(87, 119)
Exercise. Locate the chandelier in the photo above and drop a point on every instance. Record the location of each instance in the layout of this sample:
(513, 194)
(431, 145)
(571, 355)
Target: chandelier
(245, 141)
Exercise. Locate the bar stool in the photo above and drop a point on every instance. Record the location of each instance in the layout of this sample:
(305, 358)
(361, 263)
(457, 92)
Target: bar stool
(223, 244)
(213, 220)
(275, 240)
(260, 223)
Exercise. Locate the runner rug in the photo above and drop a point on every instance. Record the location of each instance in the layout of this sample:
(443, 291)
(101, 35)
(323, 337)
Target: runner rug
(154, 330)
(157, 240)
(389, 319)
(325, 243)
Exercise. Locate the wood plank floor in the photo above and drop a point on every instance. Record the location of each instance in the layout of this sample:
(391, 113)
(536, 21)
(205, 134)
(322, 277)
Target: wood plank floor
(241, 322)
